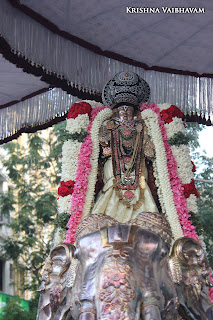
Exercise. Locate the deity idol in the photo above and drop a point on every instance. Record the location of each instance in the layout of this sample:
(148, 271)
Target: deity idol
(118, 259)
(124, 150)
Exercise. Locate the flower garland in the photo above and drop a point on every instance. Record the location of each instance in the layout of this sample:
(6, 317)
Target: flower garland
(79, 108)
(185, 167)
(160, 169)
(70, 151)
(100, 118)
(76, 125)
(168, 114)
(86, 172)
(211, 289)
(175, 126)
(173, 168)
(64, 204)
(176, 186)
(76, 167)
(77, 120)
(66, 188)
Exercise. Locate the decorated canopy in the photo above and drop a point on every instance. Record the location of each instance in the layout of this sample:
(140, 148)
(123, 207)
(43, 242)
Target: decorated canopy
(53, 53)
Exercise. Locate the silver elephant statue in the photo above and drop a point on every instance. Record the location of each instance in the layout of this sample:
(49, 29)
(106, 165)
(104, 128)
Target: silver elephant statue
(123, 271)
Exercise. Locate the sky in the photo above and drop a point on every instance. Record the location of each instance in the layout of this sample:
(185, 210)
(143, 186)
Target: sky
(206, 140)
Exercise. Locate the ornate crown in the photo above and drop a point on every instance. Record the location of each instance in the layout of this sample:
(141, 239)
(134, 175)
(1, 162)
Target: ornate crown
(125, 87)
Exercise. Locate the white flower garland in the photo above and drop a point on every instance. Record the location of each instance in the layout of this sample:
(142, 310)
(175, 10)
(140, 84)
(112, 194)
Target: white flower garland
(182, 157)
(184, 165)
(64, 204)
(192, 203)
(165, 195)
(174, 127)
(99, 119)
(77, 124)
(58, 237)
(164, 106)
(158, 185)
(70, 152)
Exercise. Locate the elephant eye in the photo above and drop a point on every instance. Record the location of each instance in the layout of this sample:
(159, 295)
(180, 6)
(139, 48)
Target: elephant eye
(163, 254)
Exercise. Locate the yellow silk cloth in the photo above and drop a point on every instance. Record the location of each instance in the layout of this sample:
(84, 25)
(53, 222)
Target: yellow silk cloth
(108, 202)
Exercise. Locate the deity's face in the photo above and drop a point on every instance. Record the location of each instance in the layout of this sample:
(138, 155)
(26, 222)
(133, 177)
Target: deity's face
(125, 112)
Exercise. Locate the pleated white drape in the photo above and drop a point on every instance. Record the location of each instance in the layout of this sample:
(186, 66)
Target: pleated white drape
(86, 71)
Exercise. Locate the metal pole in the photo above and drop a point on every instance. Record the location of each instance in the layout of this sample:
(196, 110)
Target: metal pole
(204, 180)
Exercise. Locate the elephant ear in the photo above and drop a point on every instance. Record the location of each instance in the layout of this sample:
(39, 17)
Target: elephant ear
(53, 288)
(189, 269)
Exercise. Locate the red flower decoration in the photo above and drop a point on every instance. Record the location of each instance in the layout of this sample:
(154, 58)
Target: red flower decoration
(190, 189)
(66, 188)
(193, 167)
(79, 108)
(168, 114)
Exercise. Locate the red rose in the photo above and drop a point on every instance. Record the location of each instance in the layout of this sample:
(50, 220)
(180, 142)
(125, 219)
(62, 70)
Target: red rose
(66, 188)
(176, 112)
(168, 114)
(190, 188)
(193, 167)
(79, 108)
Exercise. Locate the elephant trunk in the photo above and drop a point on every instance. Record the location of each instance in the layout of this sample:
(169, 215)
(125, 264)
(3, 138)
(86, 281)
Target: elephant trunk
(150, 308)
(87, 311)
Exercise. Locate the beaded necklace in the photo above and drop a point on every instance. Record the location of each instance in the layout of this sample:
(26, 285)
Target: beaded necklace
(127, 159)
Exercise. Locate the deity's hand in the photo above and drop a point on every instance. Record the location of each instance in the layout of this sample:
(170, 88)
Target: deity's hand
(149, 149)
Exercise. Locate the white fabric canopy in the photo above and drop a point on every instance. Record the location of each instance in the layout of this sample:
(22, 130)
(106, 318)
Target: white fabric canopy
(16, 84)
(179, 41)
(79, 46)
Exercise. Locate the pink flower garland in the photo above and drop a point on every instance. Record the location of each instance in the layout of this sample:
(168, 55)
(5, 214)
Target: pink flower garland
(176, 185)
(81, 182)
(211, 289)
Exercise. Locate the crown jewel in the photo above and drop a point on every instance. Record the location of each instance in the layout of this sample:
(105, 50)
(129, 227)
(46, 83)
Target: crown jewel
(125, 87)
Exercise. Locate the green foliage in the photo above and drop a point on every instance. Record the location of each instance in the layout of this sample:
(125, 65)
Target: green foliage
(45, 207)
(179, 138)
(205, 204)
(204, 164)
(62, 220)
(193, 130)
(196, 221)
(14, 311)
(7, 202)
(75, 136)
(34, 171)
